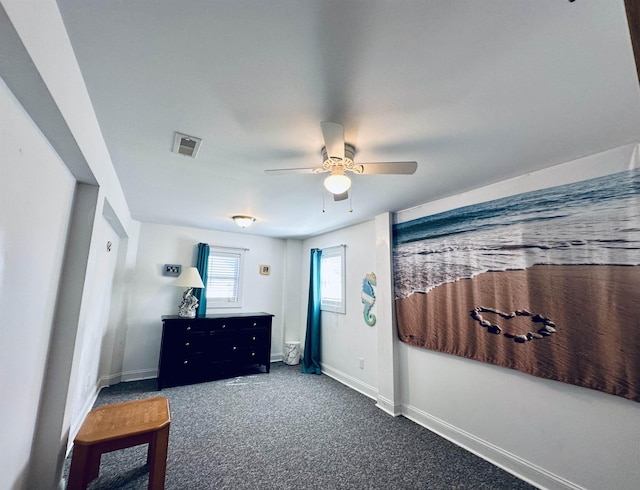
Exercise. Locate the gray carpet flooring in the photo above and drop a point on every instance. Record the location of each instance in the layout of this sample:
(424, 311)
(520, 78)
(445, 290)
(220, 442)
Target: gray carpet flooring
(288, 430)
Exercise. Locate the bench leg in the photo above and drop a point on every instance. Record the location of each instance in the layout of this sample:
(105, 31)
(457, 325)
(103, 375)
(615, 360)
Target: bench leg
(93, 463)
(157, 458)
(85, 465)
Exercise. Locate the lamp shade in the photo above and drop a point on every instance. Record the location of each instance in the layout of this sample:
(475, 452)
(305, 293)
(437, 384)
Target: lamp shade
(190, 278)
(337, 182)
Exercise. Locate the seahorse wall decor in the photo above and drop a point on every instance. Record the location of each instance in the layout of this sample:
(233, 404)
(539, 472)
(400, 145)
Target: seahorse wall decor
(368, 296)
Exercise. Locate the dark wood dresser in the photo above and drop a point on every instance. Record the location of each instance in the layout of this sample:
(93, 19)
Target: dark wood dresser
(212, 347)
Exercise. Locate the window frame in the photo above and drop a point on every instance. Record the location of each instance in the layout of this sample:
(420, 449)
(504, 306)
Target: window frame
(331, 304)
(212, 303)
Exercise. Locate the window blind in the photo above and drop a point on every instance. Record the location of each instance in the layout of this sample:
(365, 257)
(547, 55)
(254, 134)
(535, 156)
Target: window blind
(223, 277)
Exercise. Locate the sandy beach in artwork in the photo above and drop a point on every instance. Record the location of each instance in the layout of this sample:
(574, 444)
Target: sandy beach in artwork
(594, 310)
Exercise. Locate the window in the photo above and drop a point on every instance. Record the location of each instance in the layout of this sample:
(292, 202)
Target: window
(224, 277)
(332, 279)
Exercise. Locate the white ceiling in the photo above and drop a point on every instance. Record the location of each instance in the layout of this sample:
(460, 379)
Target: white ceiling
(474, 91)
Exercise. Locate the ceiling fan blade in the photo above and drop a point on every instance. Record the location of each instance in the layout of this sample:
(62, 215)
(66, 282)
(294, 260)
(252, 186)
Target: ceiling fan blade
(389, 168)
(333, 134)
(341, 197)
(282, 171)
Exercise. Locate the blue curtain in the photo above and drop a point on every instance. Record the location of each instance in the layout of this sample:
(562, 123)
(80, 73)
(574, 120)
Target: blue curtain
(202, 263)
(311, 359)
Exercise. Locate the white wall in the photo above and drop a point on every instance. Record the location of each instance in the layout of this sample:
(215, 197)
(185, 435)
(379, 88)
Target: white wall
(50, 141)
(557, 435)
(293, 295)
(346, 338)
(96, 336)
(34, 216)
(154, 295)
(113, 344)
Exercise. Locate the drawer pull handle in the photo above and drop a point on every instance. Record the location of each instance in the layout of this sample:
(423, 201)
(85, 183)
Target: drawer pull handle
(234, 347)
(255, 323)
(187, 344)
(186, 362)
(224, 326)
(253, 354)
(189, 328)
(254, 337)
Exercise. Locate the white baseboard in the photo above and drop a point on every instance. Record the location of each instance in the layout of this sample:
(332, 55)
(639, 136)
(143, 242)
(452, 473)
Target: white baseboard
(393, 409)
(525, 470)
(350, 381)
(139, 375)
(105, 381)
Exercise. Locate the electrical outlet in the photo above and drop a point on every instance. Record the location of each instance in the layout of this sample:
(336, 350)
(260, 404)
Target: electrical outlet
(361, 363)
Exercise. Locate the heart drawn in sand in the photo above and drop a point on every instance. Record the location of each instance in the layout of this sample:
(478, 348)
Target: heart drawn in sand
(548, 327)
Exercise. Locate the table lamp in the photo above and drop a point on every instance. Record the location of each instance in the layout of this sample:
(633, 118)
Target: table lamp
(190, 278)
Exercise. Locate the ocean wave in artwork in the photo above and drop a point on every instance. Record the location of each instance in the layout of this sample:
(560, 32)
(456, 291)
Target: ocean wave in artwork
(594, 222)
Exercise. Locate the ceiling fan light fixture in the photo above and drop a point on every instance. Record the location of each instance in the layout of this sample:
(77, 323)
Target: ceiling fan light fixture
(243, 221)
(337, 182)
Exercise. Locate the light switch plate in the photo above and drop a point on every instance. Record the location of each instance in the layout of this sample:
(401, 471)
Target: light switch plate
(172, 270)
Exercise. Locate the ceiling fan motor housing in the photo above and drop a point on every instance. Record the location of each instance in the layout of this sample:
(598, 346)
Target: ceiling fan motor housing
(347, 162)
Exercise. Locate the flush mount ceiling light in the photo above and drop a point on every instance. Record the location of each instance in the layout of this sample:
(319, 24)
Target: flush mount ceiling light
(337, 182)
(243, 221)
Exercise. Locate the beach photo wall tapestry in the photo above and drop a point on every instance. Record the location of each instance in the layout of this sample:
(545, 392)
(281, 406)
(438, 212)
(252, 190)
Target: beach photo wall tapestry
(546, 282)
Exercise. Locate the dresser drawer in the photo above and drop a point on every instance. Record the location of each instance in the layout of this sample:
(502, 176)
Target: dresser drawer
(221, 325)
(254, 336)
(179, 328)
(255, 322)
(180, 343)
(194, 369)
(249, 356)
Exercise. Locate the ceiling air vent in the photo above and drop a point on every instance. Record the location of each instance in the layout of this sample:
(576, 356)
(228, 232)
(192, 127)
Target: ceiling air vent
(186, 145)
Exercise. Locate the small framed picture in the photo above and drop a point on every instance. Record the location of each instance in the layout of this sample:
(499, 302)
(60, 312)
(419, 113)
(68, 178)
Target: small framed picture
(171, 270)
(265, 270)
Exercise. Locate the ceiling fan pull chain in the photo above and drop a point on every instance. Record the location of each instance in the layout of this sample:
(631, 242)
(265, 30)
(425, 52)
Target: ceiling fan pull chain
(350, 201)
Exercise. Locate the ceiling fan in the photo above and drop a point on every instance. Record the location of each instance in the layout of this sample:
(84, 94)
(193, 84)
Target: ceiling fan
(338, 159)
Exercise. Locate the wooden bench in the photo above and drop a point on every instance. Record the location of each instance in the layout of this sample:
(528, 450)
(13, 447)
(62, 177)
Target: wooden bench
(118, 426)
